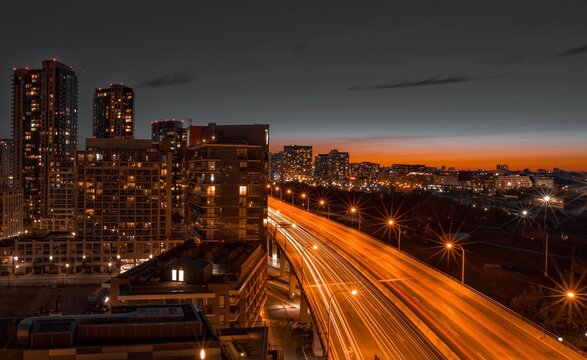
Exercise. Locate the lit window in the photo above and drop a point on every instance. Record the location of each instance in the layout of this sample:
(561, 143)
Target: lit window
(180, 275)
(173, 275)
(242, 190)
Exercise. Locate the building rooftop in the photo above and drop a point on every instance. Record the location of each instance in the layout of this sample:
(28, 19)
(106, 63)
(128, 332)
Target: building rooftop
(200, 266)
(138, 325)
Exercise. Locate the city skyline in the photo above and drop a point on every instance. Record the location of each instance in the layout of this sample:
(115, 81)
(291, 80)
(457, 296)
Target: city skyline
(458, 85)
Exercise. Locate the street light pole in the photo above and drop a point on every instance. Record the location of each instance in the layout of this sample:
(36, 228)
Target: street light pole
(546, 200)
(355, 211)
(324, 204)
(452, 245)
(353, 293)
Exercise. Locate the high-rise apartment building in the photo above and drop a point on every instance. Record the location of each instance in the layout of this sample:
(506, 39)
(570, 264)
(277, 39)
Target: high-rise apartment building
(332, 168)
(226, 177)
(123, 197)
(44, 129)
(296, 163)
(26, 134)
(173, 132)
(113, 112)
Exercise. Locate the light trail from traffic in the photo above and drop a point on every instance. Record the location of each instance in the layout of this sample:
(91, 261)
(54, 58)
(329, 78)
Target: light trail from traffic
(361, 326)
(469, 325)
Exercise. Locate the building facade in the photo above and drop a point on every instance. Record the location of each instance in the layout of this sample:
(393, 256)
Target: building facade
(173, 132)
(123, 198)
(228, 282)
(6, 154)
(296, 164)
(26, 134)
(113, 112)
(11, 216)
(44, 129)
(333, 169)
(512, 182)
(227, 169)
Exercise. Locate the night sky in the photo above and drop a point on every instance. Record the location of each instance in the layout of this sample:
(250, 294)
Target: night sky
(463, 83)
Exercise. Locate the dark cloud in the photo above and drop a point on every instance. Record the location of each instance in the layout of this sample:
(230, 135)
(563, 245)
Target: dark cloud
(408, 84)
(300, 51)
(580, 50)
(515, 59)
(170, 79)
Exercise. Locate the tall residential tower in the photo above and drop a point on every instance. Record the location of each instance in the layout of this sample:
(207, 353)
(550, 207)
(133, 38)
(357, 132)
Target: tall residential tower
(44, 129)
(113, 112)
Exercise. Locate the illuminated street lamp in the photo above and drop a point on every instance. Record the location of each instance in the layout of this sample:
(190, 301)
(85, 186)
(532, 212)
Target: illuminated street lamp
(353, 211)
(352, 293)
(451, 246)
(304, 196)
(392, 223)
(289, 192)
(546, 199)
(571, 295)
(202, 354)
(323, 204)
(270, 188)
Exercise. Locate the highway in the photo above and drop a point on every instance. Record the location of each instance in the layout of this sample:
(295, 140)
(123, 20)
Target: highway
(460, 322)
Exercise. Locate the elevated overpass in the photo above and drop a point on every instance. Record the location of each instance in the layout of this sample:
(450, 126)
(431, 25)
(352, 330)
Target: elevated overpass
(404, 309)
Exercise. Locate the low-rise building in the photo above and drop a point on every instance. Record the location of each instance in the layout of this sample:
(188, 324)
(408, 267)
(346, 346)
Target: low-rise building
(226, 281)
(513, 182)
(154, 332)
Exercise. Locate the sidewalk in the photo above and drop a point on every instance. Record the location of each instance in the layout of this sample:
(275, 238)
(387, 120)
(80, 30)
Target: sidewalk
(294, 341)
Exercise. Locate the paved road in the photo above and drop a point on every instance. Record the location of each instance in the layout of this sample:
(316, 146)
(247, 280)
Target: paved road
(468, 325)
(363, 325)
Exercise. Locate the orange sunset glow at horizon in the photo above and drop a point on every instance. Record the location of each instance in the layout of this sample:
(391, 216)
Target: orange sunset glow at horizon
(462, 157)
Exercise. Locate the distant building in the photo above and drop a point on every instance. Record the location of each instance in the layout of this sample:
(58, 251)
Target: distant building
(407, 168)
(44, 130)
(173, 132)
(113, 112)
(227, 168)
(513, 182)
(296, 164)
(275, 167)
(364, 175)
(333, 168)
(226, 281)
(543, 182)
(502, 169)
(123, 197)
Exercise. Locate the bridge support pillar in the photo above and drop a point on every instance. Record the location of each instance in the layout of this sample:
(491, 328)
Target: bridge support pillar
(317, 349)
(304, 315)
(273, 250)
(282, 262)
(292, 286)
